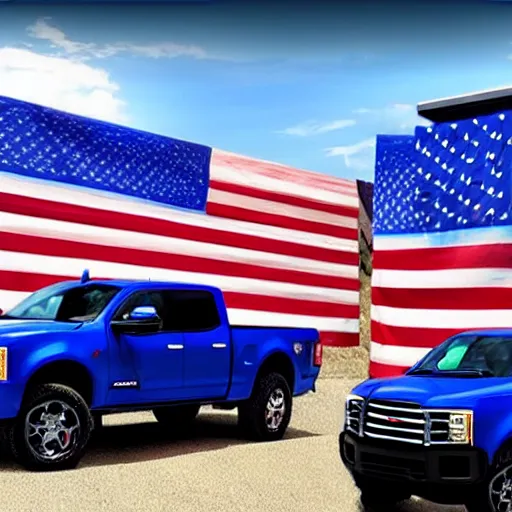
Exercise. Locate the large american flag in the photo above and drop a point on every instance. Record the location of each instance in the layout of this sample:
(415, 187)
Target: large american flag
(442, 222)
(281, 243)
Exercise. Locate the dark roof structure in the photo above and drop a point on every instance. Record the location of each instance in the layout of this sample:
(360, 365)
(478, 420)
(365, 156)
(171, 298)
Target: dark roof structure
(465, 106)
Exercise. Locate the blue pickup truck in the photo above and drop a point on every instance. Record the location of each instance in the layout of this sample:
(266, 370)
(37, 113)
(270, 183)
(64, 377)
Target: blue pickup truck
(75, 351)
(443, 431)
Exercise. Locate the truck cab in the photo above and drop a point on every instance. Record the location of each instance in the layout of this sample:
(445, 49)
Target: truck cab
(442, 431)
(75, 351)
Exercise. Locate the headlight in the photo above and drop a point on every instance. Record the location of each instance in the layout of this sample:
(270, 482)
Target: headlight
(354, 413)
(460, 427)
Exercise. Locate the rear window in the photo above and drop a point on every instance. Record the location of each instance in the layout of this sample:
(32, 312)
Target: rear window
(193, 311)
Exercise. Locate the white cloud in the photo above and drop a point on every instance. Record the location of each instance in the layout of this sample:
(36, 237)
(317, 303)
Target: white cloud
(60, 83)
(310, 128)
(359, 156)
(66, 79)
(399, 116)
(44, 31)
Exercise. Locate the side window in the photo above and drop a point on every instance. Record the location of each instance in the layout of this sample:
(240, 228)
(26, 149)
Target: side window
(498, 355)
(193, 311)
(474, 358)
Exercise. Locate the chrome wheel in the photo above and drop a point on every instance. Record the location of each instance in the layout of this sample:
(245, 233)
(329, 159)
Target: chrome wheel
(52, 430)
(275, 410)
(501, 491)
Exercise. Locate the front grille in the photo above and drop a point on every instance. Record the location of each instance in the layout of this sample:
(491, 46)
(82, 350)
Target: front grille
(396, 421)
(439, 426)
(405, 422)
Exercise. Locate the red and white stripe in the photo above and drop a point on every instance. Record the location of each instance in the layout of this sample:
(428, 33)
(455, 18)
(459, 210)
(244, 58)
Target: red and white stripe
(426, 288)
(284, 252)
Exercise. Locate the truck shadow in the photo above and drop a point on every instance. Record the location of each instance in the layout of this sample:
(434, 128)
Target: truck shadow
(416, 505)
(139, 442)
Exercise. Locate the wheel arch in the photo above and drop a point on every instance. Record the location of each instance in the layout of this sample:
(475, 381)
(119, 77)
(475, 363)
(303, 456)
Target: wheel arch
(66, 372)
(278, 362)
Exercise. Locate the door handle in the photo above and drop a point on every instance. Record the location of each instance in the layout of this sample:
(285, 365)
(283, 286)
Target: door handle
(219, 345)
(175, 347)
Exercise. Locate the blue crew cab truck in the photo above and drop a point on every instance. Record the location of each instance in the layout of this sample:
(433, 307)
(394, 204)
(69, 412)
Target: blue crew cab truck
(75, 351)
(443, 431)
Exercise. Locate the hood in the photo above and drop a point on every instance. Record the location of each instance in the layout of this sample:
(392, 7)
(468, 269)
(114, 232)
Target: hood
(17, 328)
(434, 391)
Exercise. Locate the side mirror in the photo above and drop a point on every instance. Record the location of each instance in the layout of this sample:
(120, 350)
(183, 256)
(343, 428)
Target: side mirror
(142, 320)
(1, 311)
(144, 313)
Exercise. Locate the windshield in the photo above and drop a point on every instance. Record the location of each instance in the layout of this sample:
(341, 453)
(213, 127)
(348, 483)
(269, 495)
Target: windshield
(73, 304)
(471, 355)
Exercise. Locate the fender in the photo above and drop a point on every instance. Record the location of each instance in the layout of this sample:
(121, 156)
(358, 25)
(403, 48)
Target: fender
(501, 436)
(280, 349)
(49, 353)
(492, 423)
(56, 352)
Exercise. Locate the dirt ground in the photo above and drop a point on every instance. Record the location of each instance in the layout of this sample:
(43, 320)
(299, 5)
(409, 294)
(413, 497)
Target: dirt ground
(134, 465)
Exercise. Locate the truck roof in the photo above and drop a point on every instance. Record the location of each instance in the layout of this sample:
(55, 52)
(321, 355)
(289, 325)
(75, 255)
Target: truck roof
(128, 283)
(498, 331)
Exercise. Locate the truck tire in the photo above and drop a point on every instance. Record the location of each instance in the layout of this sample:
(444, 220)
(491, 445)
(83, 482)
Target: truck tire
(51, 430)
(177, 417)
(498, 488)
(267, 413)
(378, 497)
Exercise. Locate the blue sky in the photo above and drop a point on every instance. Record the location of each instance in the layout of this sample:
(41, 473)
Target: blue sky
(308, 85)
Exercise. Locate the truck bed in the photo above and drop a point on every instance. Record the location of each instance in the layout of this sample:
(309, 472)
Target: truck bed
(252, 345)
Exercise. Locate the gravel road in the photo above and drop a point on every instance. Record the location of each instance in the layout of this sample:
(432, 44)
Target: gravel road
(132, 465)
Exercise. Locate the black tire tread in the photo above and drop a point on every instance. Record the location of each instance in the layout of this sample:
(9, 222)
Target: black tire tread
(14, 434)
(480, 501)
(251, 412)
(381, 502)
(378, 497)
